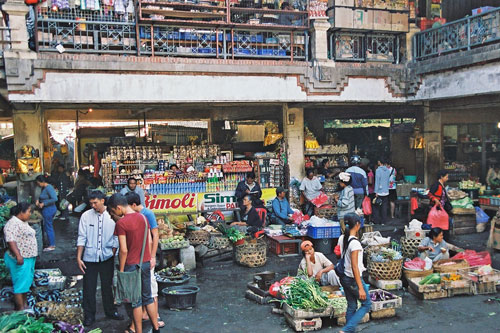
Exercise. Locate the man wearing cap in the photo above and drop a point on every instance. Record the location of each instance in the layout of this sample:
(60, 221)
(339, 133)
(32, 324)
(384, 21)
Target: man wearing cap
(281, 208)
(317, 265)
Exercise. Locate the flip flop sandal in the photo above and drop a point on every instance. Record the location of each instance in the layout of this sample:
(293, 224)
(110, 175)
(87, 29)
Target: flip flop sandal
(161, 323)
(128, 330)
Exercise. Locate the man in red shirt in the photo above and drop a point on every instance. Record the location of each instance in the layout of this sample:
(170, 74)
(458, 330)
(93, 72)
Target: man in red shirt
(130, 231)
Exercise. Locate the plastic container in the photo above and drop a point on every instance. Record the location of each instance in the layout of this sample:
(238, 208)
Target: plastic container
(323, 232)
(410, 179)
(180, 297)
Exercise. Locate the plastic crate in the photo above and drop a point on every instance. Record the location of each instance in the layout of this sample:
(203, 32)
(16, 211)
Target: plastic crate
(323, 232)
(484, 200)
(283, 245)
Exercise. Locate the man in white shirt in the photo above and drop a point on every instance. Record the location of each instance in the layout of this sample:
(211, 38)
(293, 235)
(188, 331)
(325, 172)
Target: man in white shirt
(96, 237)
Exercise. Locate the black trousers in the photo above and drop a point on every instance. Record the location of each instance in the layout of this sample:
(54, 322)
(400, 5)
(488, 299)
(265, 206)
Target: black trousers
(105, 270)
(380, 212)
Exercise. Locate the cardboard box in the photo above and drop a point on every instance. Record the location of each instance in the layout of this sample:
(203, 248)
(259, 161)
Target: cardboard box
(382, 21)
(399, 22)
(343, 18)
(398, 5)
(303, 325)
(363, 19)
(346, 3)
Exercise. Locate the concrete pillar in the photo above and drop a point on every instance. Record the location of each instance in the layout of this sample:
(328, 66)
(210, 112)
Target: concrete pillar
(319, 39)
(293, 130)
(433, 139)
(17, 11)
(409, 41)
(28, 130)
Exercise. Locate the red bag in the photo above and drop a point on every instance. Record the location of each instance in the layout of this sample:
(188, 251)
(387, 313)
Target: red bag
(438, 218)
(298, 217)
(416, 263)
(320, 200)
(274, 289)
(367, 206)
(414, 205)
(474, 258)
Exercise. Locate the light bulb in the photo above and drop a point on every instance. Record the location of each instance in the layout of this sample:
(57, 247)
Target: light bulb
(379, 138)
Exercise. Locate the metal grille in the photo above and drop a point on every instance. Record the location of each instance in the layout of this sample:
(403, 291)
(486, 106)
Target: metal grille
(360, 47)
(457, 35)
(264, 44)
(85, 31)
(177, 135)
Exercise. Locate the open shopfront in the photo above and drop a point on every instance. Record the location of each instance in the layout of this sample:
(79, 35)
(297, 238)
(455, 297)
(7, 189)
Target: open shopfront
(208, 173)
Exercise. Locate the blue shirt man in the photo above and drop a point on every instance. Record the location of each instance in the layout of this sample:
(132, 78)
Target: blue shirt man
(281, 208)
(132, 187)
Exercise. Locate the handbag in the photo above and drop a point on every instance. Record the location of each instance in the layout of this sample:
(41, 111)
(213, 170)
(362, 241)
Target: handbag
(377, 201)
(128, 287)
(367, 206)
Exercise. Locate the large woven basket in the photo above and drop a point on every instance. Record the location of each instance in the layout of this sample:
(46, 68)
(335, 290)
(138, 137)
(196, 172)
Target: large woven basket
(369, 250)
(325, 212)
(218, 241)
(409, 247)
(252, 253)
(390, 270)
(414, 274)
(60, 312)
(197, 237)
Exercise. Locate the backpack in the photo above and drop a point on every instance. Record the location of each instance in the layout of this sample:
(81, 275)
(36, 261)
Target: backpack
(340, 265)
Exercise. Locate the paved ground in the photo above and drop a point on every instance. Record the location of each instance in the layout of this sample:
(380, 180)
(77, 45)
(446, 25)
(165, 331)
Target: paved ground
(221, 306)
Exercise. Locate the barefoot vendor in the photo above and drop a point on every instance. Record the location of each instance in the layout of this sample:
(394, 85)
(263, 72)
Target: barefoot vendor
(317, 265)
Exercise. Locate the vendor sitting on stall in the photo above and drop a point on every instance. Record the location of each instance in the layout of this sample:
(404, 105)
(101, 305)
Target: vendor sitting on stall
(251, 221)
(493, 176)
(310, 188)
(434, 247)
(281, 208)
(175, 169)
(249, 187)
(317, 265)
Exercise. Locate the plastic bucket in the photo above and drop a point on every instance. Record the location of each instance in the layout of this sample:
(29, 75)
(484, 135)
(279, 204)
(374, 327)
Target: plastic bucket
(180, 297)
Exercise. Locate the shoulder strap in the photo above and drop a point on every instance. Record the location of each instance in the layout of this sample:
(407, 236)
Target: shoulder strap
(347, 246)
(144, 241)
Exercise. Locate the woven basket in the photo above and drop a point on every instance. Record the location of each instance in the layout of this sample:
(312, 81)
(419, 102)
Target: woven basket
(251, 254)
(390, 270)
(414, 274)
(218, 241)
(325, 212)
(369, 250)
(409, 247)
(197, 237)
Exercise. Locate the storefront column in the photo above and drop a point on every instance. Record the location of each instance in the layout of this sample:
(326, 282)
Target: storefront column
(409, 41)
(29, 129)
(319, 39)
(432, 136)
(293, 129)
(17, 11)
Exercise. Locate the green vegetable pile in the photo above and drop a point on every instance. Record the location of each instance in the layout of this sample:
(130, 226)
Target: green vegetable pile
(19, 322)
(339, 304)
(233, 234)
(431, 279)
(305, 293)
(4, 273)
(4, 214)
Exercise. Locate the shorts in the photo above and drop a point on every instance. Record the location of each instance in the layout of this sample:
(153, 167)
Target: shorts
(22, 275)
(154, 284)
(392, 195)
(146, 298)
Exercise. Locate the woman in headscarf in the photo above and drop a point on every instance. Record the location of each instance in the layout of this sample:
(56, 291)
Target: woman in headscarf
(345, 201)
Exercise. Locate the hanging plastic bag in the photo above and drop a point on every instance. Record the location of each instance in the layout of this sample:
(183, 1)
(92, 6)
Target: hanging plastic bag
(481, 216)
(438, 218)
(367, 206)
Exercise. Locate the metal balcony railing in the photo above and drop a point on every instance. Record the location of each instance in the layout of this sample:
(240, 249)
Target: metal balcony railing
(459, 35)
(101, 31)
(358, 46)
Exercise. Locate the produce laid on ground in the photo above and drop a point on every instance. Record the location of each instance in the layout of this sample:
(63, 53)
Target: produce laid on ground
(21, 322)
(305, 293)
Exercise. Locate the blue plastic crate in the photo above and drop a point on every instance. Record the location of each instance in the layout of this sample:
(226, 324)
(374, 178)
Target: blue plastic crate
(271, 52)
(204, 50)
(245, 51)
(323, 232)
